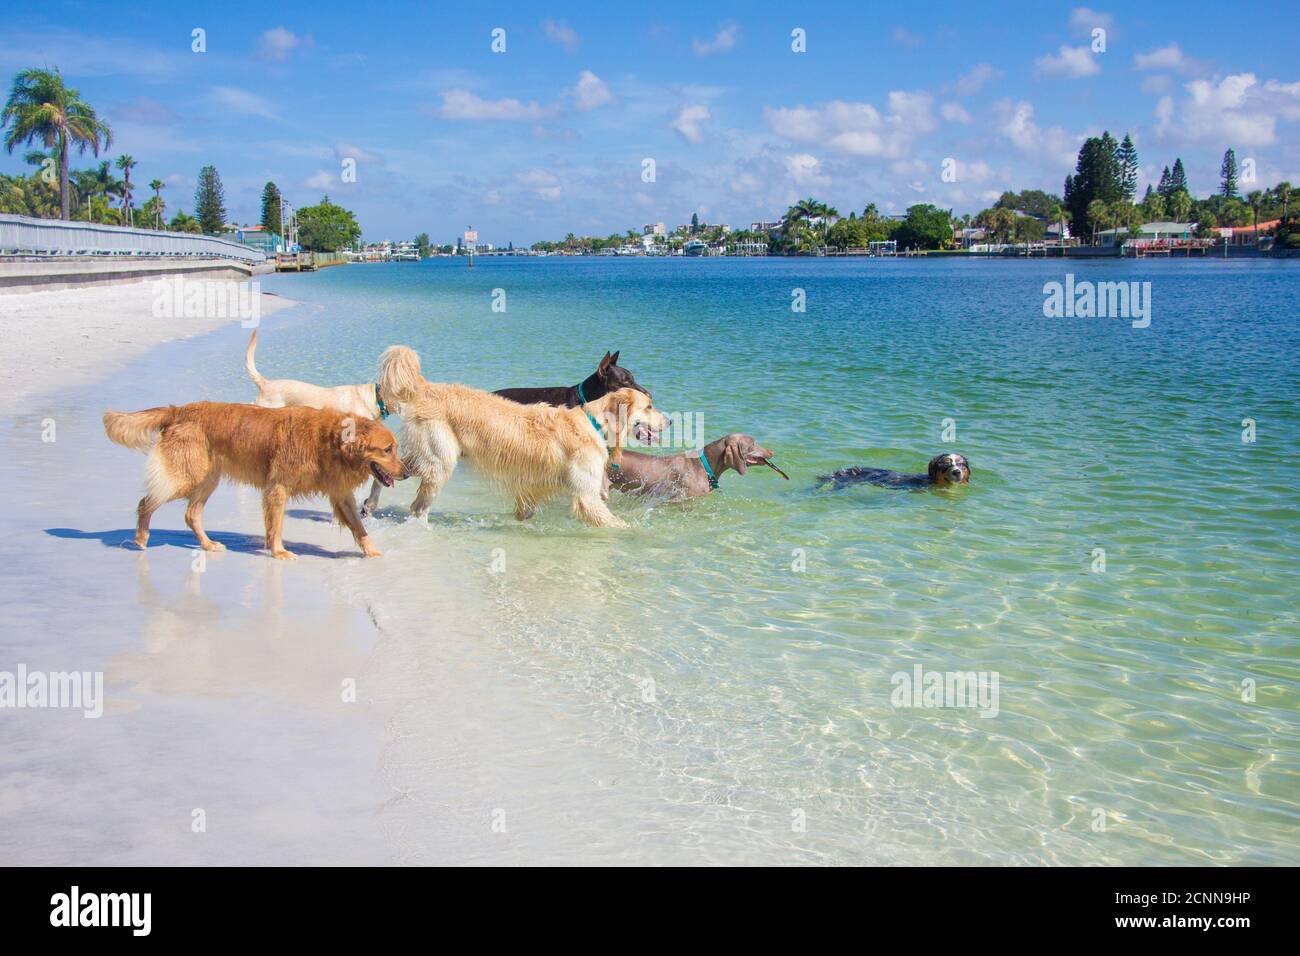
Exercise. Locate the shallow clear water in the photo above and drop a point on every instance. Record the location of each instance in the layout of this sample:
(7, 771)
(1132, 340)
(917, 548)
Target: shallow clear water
(679, 692)
(1120, 692)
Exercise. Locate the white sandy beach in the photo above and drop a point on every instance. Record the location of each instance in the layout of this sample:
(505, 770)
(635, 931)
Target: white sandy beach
(52, 340)
(301, 709)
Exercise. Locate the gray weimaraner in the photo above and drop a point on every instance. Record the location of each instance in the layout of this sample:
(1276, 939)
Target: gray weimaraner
(692, 474)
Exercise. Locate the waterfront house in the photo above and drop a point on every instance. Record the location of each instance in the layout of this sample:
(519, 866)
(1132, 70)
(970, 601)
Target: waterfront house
(1150, 232)
(1247, 235)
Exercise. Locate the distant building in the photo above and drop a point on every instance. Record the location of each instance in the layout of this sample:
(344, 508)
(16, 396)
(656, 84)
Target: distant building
(255, 237)
(1149, 232)
(654, 229)
(1246, 235)
(763, 226)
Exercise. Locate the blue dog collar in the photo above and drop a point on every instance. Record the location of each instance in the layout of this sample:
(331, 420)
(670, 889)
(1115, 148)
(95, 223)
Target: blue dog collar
(383, 411)
(713, 481)
(594, 424)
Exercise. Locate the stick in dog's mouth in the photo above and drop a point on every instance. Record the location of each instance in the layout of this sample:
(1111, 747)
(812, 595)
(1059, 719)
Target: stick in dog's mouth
(768, 462)
(384, 477)
(645, 434)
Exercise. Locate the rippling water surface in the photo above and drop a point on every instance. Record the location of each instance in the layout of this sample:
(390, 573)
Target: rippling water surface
(738, 651)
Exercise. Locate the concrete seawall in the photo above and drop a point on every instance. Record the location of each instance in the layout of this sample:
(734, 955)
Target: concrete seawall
(36, 274)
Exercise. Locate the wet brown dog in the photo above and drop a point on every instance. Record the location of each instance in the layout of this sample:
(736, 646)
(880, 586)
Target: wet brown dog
(286, 452)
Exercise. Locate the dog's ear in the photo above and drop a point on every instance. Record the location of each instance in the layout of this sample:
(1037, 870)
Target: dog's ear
(613, 359)
(352, 444)
(733, 454)
(936, 463)
(605, 363)
(617, 414)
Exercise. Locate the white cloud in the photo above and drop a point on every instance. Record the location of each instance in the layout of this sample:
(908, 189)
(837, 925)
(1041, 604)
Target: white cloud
(1016, 123)
(278, 43)
(591, 91)
(543, 184)
(722, 41)
(971, 83)
(235, 100)
(350, 151)
(1084, 21)
(464, 105)
(806, 170)
(688, 122)
(974, 172)
(955, 113)
(562, 34)
(1162, 58)
(1237, 110)
(145, 110)
(322, 179)
(906, 38)
(1074, 62)
(744, 182)
(858, 129)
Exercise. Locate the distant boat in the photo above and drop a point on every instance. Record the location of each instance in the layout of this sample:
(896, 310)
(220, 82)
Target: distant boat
(695, 247)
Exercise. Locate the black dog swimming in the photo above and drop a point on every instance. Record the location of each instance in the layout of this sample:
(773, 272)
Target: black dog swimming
(608, 377)
(943, 470)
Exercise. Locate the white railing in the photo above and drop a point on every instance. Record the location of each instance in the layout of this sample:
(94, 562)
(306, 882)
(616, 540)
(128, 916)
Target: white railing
(21, 235)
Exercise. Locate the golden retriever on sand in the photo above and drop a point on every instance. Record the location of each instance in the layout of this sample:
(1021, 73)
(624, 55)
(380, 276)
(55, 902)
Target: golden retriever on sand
(533, 452)
(286, 452)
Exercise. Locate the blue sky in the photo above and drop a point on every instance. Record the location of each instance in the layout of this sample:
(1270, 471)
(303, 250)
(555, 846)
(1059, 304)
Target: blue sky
(550, 136)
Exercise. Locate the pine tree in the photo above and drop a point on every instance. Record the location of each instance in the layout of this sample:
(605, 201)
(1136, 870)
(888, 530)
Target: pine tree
(1228, 175)
(1128, 163)
(1178, 178)
(1165, 187)
(1097, 177)
(271, 208)
(210, 201)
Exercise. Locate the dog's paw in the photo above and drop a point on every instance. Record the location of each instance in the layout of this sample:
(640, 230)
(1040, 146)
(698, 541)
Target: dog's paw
(364, 511)
(213, 546)
(283, 555)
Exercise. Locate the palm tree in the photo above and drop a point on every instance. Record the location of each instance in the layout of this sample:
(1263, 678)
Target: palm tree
(126, 164)
(1059, 215)
(41, 108)
(157, 185)
(184, 223)
(1255, 199)
(1099, 216)
(1180, 204)
(1283, 190)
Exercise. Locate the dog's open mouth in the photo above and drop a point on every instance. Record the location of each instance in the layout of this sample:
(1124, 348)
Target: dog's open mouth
(645, 434)
(384, 477)
(756, 460)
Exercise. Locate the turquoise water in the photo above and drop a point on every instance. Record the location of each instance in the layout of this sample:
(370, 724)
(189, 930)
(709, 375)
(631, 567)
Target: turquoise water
(771, 617)
(716, 683)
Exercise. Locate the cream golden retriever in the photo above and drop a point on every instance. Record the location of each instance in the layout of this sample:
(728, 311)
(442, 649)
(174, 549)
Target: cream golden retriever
(533, 452)
(364, 400)
(286, 452)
